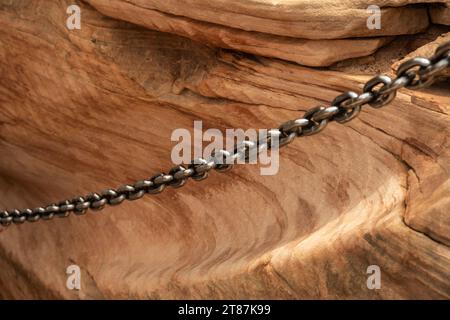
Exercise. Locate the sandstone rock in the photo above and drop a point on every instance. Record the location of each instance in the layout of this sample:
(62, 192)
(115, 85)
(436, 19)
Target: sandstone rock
(92, 108)
(426, 51)
(308, 19)
(292, 44)
(440, 14)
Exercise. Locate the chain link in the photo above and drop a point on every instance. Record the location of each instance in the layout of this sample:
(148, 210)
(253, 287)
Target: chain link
(415, 73)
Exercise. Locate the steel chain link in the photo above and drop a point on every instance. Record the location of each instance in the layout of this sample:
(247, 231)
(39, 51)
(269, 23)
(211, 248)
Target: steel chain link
(379, 91)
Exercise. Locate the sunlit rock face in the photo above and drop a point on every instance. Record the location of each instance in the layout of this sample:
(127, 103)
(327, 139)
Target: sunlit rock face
(87, 109)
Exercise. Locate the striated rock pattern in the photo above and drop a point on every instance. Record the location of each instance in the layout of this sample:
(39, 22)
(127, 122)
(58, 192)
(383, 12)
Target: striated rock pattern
(87, 109)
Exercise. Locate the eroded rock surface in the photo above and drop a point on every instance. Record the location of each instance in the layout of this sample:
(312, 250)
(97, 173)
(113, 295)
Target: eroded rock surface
(93, 108)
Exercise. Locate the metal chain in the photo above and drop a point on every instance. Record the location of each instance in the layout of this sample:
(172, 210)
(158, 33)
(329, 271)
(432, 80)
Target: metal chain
(379, 91)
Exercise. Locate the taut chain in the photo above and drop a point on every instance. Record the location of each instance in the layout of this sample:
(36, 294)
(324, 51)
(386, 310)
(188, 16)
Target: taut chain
(415, 73)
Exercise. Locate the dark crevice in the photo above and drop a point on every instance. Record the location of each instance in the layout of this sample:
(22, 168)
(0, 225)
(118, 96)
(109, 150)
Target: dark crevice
(408, 168)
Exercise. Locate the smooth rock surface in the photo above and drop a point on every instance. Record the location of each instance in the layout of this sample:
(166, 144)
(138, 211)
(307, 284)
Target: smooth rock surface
(292, 41)
(440, 14)
(93, 108)
(326, 19)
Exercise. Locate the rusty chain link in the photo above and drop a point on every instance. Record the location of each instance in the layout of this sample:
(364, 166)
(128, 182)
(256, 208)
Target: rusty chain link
(415, 73)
